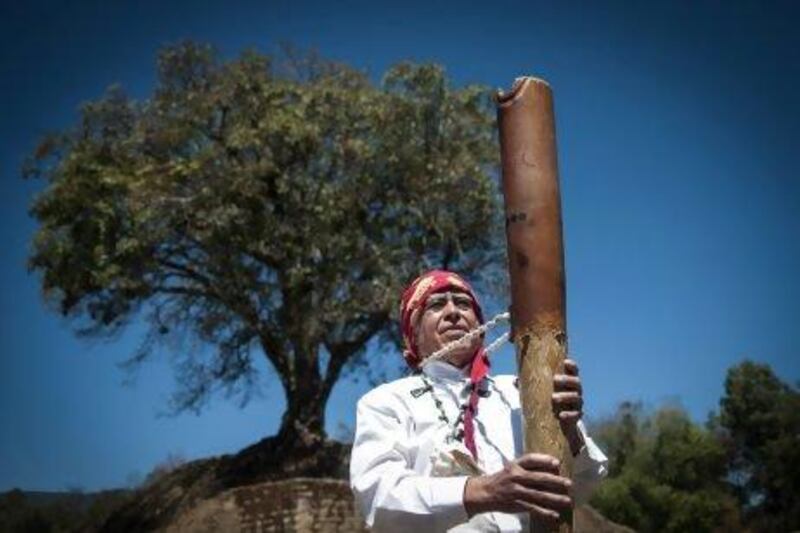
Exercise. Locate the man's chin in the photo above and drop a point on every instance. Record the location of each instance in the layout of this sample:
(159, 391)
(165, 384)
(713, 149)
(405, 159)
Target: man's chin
(460, 358)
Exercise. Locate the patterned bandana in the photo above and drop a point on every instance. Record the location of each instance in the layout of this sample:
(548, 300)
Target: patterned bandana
(412, 304)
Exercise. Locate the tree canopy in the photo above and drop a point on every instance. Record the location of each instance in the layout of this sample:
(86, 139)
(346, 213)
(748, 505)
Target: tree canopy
(666, 473)
(741, 471)
(264, 204)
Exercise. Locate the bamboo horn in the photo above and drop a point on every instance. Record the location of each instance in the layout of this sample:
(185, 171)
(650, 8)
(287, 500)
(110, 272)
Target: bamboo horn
(535, 261)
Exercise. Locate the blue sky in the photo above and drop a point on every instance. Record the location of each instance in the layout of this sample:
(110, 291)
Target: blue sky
(678, 127)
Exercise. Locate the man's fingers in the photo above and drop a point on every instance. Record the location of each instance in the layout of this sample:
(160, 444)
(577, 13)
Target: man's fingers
(547, 517)
(563, 382)
(550, 500)
(540, 472)
(544, 481)
(570, 416)
(570, 367)
(539, 461)
(567, 401)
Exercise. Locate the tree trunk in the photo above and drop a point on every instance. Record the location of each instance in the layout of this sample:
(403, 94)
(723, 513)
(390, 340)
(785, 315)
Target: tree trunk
(303, 423)
(304, 419)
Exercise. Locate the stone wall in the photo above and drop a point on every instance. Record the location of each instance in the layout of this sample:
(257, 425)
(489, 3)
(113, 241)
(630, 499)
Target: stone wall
(306, 505)
(294, 505)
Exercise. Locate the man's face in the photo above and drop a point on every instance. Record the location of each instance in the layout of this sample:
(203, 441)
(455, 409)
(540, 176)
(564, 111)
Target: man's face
(447, 316)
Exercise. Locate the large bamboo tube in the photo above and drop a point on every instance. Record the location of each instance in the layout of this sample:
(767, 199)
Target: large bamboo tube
(535, 260)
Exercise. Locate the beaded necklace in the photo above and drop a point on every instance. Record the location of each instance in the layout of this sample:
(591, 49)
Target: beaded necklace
(457, 431)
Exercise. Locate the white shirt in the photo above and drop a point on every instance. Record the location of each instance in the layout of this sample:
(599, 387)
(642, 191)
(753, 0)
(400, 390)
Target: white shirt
(394, 466)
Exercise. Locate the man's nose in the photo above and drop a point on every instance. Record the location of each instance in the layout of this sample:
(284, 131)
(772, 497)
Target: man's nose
(451, 310)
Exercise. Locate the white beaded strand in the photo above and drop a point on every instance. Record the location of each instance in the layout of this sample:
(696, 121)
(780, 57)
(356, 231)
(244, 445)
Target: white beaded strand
(497, 343)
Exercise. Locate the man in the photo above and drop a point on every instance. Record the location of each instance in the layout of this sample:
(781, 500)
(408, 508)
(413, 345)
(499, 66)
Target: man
(441, 450)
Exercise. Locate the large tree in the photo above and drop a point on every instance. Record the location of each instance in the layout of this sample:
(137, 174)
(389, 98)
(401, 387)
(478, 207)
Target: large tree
(263, 207)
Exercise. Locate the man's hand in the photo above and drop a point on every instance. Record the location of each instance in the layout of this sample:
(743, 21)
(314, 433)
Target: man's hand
(568, 403)
(529, 484)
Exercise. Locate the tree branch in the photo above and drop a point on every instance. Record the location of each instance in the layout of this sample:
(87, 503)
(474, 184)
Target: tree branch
(341, 352)
(274, 351)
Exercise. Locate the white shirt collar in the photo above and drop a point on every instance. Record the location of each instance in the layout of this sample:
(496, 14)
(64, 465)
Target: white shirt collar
(443, 370)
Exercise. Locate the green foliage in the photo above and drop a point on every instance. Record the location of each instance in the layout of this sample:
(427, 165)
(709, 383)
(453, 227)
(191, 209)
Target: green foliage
(760, 416)
(248, 204)
(22, 512)
(742, 471)
(667, 473)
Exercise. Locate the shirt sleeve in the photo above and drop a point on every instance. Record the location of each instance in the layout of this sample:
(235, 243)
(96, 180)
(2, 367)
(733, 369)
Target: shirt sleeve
(390, 494)
(589, 468)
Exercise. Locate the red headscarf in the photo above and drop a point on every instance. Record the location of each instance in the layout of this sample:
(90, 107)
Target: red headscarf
(411, 305)
(413, 302)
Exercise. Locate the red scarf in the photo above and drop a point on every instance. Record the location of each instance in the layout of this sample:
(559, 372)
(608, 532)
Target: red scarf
(480, 367)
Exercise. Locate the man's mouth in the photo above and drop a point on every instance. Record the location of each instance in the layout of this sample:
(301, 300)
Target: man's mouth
(454, 331)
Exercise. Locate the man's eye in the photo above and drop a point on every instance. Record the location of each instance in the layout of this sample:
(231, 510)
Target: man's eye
(436, 304)
(463, 303)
